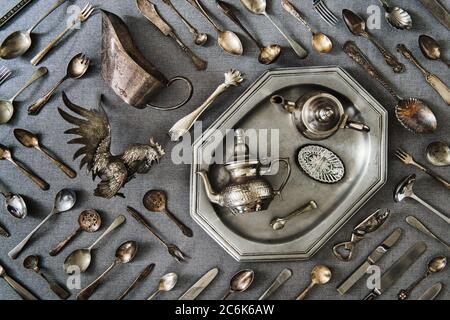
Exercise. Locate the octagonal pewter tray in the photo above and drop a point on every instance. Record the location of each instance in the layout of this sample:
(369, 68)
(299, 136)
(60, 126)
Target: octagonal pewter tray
(249, 237)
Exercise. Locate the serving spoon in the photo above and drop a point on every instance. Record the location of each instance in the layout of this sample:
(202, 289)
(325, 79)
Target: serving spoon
(397, 17)
(14, 204)
(240, 282)
(438, 153)
(431, 49)
(166, 284)
(319, 275)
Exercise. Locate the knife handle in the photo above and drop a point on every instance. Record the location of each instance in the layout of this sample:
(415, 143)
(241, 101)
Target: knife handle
(199, 63)
(372, 295)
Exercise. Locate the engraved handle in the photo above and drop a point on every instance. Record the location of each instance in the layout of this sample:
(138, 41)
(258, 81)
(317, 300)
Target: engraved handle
(185, 229)
(63, 167)
(199, 63)
(390, 59)
(38, 181)
(39, 104)
(24, 293)
(13, 11)
(58, 248)
(295, 13)
(190, 27)
(408, 55)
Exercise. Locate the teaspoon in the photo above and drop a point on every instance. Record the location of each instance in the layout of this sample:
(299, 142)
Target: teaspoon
(14, 204)
(240, 282)
(319, 275)
(438, 153)
(397, 17)
(431, 49)
(166, 284)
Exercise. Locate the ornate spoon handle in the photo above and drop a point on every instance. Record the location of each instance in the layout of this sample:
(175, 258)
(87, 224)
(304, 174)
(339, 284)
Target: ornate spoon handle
(390, 59)
(58, 248)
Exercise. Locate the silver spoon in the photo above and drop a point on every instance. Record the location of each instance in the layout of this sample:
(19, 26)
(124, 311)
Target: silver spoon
(259, 7)
(438, 153)
(279, 223)
(397, 17)
(14, 204)
(240, 282)
(435, 265)
(124, 254)
(319, 275)
(405, 190)
(166, 283)
(7, 107)
(431, 49)
(17, 43)
(64, 201)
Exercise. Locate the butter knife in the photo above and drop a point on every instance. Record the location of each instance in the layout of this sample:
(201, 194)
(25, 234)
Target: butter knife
(198, 287)
(432, 79)
(372, 259)
(13, 11)
(432, 292)
(438, 11)
(148, 10)
(279, 281)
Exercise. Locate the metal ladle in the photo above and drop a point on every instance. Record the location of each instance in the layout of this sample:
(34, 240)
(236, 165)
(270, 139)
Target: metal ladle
(14, 204)
(431, 49)
(319, 275)
(405, 190)
(259, 7)
(17, 43)
(397, 17)
(166, 284)
(88, 221)
(240, 282)
(438, 153)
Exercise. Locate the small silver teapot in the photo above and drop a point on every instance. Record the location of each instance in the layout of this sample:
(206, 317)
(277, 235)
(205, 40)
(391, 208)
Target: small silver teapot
(247, 191)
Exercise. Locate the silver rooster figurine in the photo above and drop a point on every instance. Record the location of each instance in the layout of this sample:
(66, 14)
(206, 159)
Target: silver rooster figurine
(95, 134)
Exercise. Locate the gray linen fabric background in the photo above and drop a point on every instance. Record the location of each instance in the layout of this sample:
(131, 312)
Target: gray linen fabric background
(132, 125)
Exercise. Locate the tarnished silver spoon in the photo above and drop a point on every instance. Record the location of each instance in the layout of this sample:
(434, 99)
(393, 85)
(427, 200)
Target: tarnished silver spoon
(14, 204)
(438, 153)
(397, 17)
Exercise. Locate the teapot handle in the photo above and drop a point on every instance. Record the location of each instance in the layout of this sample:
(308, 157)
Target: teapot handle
(288, 173)
(182, 103)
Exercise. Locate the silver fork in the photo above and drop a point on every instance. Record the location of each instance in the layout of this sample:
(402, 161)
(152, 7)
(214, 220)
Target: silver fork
(407, 159)
(82, 17)
(5, 73)
(325, 12)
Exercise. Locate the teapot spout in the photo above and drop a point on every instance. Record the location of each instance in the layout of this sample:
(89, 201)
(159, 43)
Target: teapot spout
(212, 195)
(279, 101)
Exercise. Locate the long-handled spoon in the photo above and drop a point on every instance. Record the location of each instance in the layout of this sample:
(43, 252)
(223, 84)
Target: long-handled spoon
(431, 49)
(259, 7)
(64, 201)
(320, 41)
(319, 275)
(76, 68)
(397, 17)
(166, 284)
(240, 282)
(140, 278)
(418, 225)
(23, 292)
(7, 107)
(227, 40)
(32, 263)
(14, 204)
(5, 154)
(30, 140)
(17, 43)
(267, 54)
(438, 153)
(124, 254)
(81, 258)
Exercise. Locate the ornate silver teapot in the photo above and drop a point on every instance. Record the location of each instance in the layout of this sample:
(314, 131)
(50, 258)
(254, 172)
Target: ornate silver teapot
(247, 191)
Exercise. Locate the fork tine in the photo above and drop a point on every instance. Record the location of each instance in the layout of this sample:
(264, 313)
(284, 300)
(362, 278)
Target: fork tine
(327, 15)
(85, 7)
(87, 15)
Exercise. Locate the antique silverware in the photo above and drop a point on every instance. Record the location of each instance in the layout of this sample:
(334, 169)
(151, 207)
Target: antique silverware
(247, 190)
(240, 282)
(81, 258)
(76, 68)
(431, 292)
(405, 190)
(64, 201)
(436, 83)
(321, 164)
(233, 78)
(259, 7)
(32, 263)
(3, 232)
(325, 13)
(318, 114)
(148, 10)
(166, 284)
(156, 201)
(13, 11)
(7, 107)
(435, 265)
(21, 290)
(438, 153)
(397, 17)
(95, 135)
(344, 251)
(319, 275)
(412, 113)
(280, 223)
(418, 225)
(198, 287)
(140, 278)
(17, 43)
(371, 260)
(407, 159)
(5, 73)
(267, 54)
(438, 11)
(124, 254)
(358, 27)
(319, 41)
(281, 279)
(6, 154)
(85, 13)
(173, 250)
(200, 38)
(14, 203)
(431, 49)
(226, 39)
(88, 221)
(30, 140)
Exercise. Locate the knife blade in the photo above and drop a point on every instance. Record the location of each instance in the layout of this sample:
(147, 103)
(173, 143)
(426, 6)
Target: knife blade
(432, 292)
(278, 282)
(372, 259)
(140, 278)
(3, 232)
(13, 11)
(397, 270)
(438, 11)
(198, 287)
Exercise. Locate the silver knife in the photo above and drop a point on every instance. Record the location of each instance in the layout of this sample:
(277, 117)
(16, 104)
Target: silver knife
(3, 232)
(13, 11)
(198, 287)
(396, 271)
(432, 292)
(438, 11)
(372, 259)
(278, 282)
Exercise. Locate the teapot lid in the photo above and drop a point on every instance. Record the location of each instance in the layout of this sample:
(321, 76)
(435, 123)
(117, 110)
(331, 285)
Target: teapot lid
(241, 153)
(322, 113)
